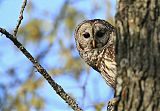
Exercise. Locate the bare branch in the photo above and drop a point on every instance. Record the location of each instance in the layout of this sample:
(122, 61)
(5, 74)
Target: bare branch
(20, 18)
(59, 90)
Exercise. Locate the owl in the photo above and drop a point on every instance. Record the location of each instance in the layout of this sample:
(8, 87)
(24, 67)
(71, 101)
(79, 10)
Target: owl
(95, 44)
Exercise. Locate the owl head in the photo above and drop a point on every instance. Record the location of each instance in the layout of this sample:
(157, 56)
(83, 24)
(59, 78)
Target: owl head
(93, 34)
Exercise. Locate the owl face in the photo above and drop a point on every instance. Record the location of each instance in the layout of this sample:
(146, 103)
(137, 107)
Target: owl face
(95, 43)
(92, 34)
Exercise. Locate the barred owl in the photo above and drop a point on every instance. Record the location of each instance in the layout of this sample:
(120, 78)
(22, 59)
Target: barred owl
(95, 43)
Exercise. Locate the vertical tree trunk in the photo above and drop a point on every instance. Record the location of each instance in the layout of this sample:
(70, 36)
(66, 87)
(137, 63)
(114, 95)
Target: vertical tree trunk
(138, 55)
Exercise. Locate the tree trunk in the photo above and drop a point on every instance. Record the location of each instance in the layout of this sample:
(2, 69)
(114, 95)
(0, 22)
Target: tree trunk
(138, 55)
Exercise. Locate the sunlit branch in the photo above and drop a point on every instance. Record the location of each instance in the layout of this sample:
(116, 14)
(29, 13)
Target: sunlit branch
(20, 18)
(59, 90)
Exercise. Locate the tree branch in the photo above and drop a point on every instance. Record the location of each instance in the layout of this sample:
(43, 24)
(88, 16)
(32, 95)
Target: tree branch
(20, 18)
(59, 90)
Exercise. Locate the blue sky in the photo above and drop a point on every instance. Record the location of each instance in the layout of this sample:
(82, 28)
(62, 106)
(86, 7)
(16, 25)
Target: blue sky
(9, 12)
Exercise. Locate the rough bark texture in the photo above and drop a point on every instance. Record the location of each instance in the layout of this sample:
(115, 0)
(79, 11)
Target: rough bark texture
(138, 55)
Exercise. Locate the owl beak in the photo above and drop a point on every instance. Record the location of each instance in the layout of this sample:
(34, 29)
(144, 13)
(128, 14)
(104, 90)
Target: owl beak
(93, 43)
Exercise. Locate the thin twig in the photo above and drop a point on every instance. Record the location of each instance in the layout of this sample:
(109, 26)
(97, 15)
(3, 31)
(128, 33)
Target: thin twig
(59, 90)
(20, 18)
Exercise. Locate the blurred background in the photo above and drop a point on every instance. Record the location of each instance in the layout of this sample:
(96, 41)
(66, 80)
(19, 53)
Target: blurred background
(47, 32)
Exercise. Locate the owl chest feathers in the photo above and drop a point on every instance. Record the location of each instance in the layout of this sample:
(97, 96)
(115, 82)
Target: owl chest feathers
(103, 61)
(94, 41)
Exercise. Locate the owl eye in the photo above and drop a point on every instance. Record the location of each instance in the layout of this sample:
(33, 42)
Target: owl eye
(86, 35)
(100, 33)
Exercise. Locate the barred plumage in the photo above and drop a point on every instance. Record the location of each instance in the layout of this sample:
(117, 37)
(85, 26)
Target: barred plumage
(95, 43)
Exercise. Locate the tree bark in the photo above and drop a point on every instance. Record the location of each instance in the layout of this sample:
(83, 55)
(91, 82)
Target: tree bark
(138, 55)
